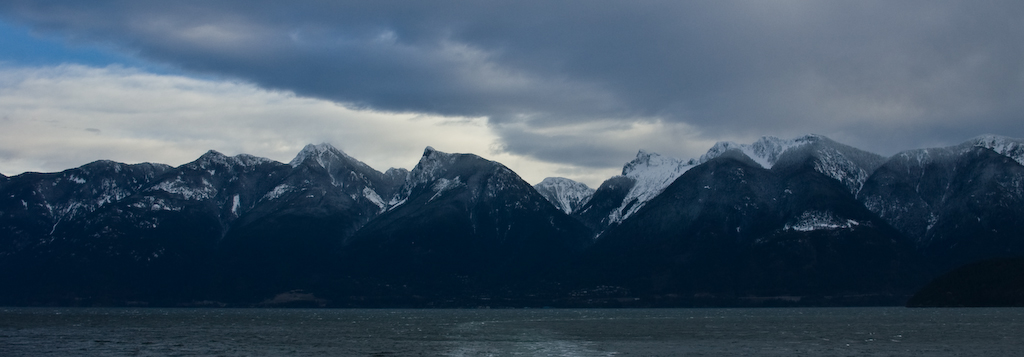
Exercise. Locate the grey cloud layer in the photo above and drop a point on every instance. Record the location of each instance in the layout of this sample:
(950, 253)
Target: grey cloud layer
(922, 73)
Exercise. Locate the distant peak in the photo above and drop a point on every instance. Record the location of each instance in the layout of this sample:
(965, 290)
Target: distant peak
(321, 147)
(765, 151)
(212, 153)
(396, 171)
(986, 137)
(551, 181)
(317, 152)
(318, 149)
(214, 157)
(644, 155)
(434, 163)
(645, 160)
(431, 154)
(567, 195)
(211, 157)
(1006, 146)
(811, 137)
(992, 138)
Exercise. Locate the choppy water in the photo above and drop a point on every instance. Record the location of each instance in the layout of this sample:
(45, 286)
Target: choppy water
(547, 332)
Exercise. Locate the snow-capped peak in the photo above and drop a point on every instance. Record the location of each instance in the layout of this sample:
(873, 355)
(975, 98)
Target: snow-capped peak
(845, 164)
(322, 153)
(1009, 147)
(567, 195)
(431, 166)
(652, 173)
(214, 157)
(442, 172)
(646, 161)
(765, 151)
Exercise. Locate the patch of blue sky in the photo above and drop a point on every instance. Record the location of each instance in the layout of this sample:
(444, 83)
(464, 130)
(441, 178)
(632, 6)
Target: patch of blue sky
(22, 47)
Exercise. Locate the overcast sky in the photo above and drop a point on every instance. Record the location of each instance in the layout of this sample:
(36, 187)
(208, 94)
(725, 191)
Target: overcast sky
(549, 88)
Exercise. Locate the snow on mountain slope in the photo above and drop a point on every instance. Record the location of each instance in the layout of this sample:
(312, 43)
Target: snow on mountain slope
(441, 173)
(431, 166)
(651, 173)
(324, 175)
(916, 189)
(188, 190)
(816, 220)
(765, 151)
(566, 194)
(339, 166)
(848, 165)
(1009, 147)
(200, 179)
(325, 155)
(919, 158)
(213, 158)
(53, 199)
(842, 167)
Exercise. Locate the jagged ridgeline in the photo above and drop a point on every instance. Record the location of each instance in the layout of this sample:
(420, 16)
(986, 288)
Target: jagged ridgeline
(806, 221)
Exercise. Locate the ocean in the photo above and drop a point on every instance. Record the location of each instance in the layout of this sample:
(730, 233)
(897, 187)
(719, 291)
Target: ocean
(884, 331)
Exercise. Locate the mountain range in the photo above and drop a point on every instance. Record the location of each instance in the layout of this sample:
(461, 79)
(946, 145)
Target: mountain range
(806, 221)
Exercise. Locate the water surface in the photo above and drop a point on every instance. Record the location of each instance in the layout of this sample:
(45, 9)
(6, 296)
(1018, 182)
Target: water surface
(528, 332)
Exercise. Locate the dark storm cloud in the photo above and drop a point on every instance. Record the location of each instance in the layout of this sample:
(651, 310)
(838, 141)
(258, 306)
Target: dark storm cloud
(883, 75)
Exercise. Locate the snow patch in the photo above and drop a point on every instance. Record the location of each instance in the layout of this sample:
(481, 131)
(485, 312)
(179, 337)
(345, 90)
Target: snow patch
(277, 192)
(373, 197)
(442, 185)
(818, 220)
(395, 202)
(205, 191)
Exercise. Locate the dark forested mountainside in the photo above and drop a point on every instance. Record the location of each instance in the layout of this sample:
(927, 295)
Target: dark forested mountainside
(806, 221)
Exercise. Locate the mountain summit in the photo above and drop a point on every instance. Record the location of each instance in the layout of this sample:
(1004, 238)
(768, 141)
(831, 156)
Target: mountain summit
(566, 194)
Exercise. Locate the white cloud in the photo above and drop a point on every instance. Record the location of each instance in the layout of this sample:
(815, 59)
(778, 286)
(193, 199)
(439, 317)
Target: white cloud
(54, 118)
